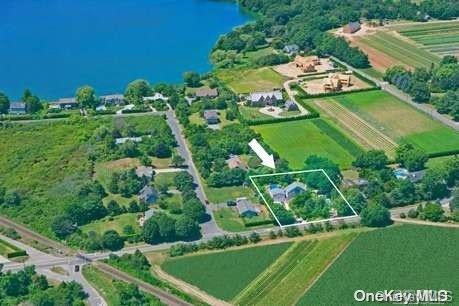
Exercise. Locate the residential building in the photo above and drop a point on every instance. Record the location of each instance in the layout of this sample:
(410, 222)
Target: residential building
(125, 139)
(144, 171)
(147, 195)
(351, 27)
(291, 49)
(115, 99)
(206, 92)
(211, 116)
(291, 106)
(261, 99)
(404, 174)
(276, 193)
(294, 189)
(245, 208)
(17, 108)
(146, 215)
(336, 81)
(65, 103)
(155, 97)
(307, 63)
(235, 161)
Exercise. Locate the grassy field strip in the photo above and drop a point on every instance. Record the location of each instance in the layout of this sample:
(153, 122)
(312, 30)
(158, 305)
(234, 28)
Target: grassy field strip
(368, 136)
(288, 279)
(401, 50)
(274, 274)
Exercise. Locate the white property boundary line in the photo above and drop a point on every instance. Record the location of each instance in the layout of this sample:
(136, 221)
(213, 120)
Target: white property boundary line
(299, 172)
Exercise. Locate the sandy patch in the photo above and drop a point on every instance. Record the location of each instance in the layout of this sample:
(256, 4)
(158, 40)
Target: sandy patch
(315, 86)
(290, 70)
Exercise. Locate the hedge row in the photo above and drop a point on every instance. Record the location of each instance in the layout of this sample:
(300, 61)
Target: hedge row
(257, 223)
(133, 111)
(311, 115)
(444, 153)
(16, 254)
(56, 115)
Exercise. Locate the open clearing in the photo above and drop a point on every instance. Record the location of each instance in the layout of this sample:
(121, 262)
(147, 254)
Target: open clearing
(389, 48)
(398, 257)
(441, 38)
(296, 140)
(285, 281)
(250, 80)
(225, 273)
(399, 121)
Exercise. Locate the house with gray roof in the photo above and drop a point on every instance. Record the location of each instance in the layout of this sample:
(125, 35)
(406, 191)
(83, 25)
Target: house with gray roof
(122, 140)
(64, 103)
(351, 27)
(144, 171)
(261, 99)
(206, 92)
(17, 108)
(211, 116)
(291, 106)
(277, 193)
(147, 195)
(245, 208)
(115, 99)
(294, 189)
(291, 49)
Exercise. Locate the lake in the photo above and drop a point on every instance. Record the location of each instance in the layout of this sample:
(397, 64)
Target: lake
(55, 46)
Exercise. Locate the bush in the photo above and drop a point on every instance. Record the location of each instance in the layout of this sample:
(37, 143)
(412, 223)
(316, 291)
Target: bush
(402, 215)
(413, 213)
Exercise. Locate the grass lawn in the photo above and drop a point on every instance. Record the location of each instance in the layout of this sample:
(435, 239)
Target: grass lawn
(6, 248)
(117, 223)
(401, 50)
(398, 257)
(224, 274)
(252, 113)
(161, 163)
(389, 115)
(223, 194)
(165, 178)
(284, 282)
(249, 80)
(228, 220)
(296, 140)
(252, 56)
(103, 284)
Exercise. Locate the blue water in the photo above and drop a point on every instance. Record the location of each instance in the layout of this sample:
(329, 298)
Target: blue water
(55, 46)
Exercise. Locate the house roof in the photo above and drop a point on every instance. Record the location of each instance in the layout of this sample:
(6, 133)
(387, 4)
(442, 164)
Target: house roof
(244, 205)
(275, 190)
(112, 97)
(256, 96)
(144, 171)
(210, 114)
(206, 92)
(293, 186)
(17, 105)
(146, 192)
(291, 48)
(149, 213)
(156, 96)
(124, 139)
(353, 26)
(67, 100)
(235, 162)
(290, 103)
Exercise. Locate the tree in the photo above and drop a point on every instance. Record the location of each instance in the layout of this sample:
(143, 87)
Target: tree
(420, 92)
(192, 79)
(372, 159)
(32, 102)
(12, 198)
(183, 181)
(434, 185)
(166, 226)
(432, 212)
(194, 209)
(177, 160)
(113, 208)
(187, 228)
(254, 237)
(112, 241)
(136, 90)
(318, 179)
(375, 215)
(63, 226)
(151, 233)
(410, 157)
(86, 97)
(4, 103)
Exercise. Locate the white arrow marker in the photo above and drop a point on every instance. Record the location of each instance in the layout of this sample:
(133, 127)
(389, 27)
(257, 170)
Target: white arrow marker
(266, 159)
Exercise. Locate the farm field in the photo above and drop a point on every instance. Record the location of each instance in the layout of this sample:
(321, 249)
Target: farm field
(390, 258)
(285, 281)
(249, 80)
(441, 38)
(390, 116)
(360, 130)
(396, 50)
(226, 273)
(296, 140)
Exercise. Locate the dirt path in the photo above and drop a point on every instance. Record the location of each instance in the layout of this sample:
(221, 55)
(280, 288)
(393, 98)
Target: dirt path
(164, 296)
(190, 289)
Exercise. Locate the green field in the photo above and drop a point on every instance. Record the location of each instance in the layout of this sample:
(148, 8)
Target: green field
(296, 140)
(116, 223)
(441, 38)
(400, 121)
(222, 194)
(401, 50)
(252, 113)
(284, 282)
(249, 80)
(224, 274)
(398, 257)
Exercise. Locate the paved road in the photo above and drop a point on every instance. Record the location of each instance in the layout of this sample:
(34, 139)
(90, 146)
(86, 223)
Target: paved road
(404, 97)
(209, 228)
